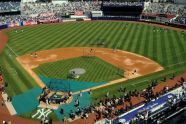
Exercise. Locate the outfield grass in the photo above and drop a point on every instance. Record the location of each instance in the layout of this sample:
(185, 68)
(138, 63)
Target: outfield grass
(16, 77)
(96, 69)
(165, 47)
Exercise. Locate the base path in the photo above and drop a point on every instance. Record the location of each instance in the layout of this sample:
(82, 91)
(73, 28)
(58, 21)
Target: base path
(134, 65)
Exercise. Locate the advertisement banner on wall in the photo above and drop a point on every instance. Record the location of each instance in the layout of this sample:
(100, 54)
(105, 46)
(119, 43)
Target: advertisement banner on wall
(33, 23)
(78, 13)
(26, 23)
(10, 25)
(16, 24)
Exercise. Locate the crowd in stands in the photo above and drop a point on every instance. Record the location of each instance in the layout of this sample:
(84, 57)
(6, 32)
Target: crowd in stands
(179, 20)
(31, 8)
(111, 106)
(18, 18)
(9, 6)
(123, 3)
(164, 8)
(34, 9)
(43, 11)
(10, 18)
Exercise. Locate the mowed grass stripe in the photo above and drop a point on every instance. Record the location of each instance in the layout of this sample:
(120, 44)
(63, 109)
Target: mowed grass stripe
(122, 39)
(90, 37)
(129, 37)
(164, 61)
(40, 41)
(48, 43)
(132, 34)
(110, 38)
(104, 36)
(160, 50)
(77, 38)
(28, 32)
(98, 28)
(143, 40)
(179, 53)
(12, 78)
(86, 40)
(27, 35)
(173, 58)
(150, 45)
(15, 76)
(67, 38)
(135, 46)
(178, 40)
(117, 37)
(22, 74)
(154, 40)
(69, 41)
(181, 39)
(59, 39)
(92, 65)
(35, 39)
(167, 50)
(139, 40)
(62, 39)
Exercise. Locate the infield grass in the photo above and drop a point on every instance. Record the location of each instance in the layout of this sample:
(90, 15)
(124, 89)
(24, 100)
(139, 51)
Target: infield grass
(96, 69)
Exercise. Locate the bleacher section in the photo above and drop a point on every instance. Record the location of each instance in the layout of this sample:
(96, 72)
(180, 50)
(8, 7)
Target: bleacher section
(36, 13)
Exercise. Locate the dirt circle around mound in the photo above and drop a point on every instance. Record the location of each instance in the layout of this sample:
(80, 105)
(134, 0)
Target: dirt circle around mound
(77, 71)
(134, 65)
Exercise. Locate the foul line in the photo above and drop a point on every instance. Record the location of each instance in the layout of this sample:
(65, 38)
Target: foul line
(12, 50)
(176, 64)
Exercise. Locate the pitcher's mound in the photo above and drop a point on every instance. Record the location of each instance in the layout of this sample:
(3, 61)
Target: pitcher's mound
(77, 71)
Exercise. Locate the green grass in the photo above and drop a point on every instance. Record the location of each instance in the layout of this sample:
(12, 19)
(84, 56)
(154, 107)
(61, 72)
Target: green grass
(97, 70)
(166, 48)
(139, 83)
(16, 77)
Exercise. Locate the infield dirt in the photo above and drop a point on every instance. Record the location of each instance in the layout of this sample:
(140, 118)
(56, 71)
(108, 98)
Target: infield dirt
(134, 65)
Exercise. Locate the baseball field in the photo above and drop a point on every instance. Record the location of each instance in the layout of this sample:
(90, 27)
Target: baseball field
(118, 46)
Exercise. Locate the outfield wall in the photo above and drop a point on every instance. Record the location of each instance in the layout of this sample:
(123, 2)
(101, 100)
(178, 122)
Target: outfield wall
(140, 20)
(125, 18)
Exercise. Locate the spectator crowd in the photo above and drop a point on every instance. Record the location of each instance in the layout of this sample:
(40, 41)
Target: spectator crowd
(52, 11)
(9, 6)
(34, 9)
(111, 106)
(122, 3)
(164, 8)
